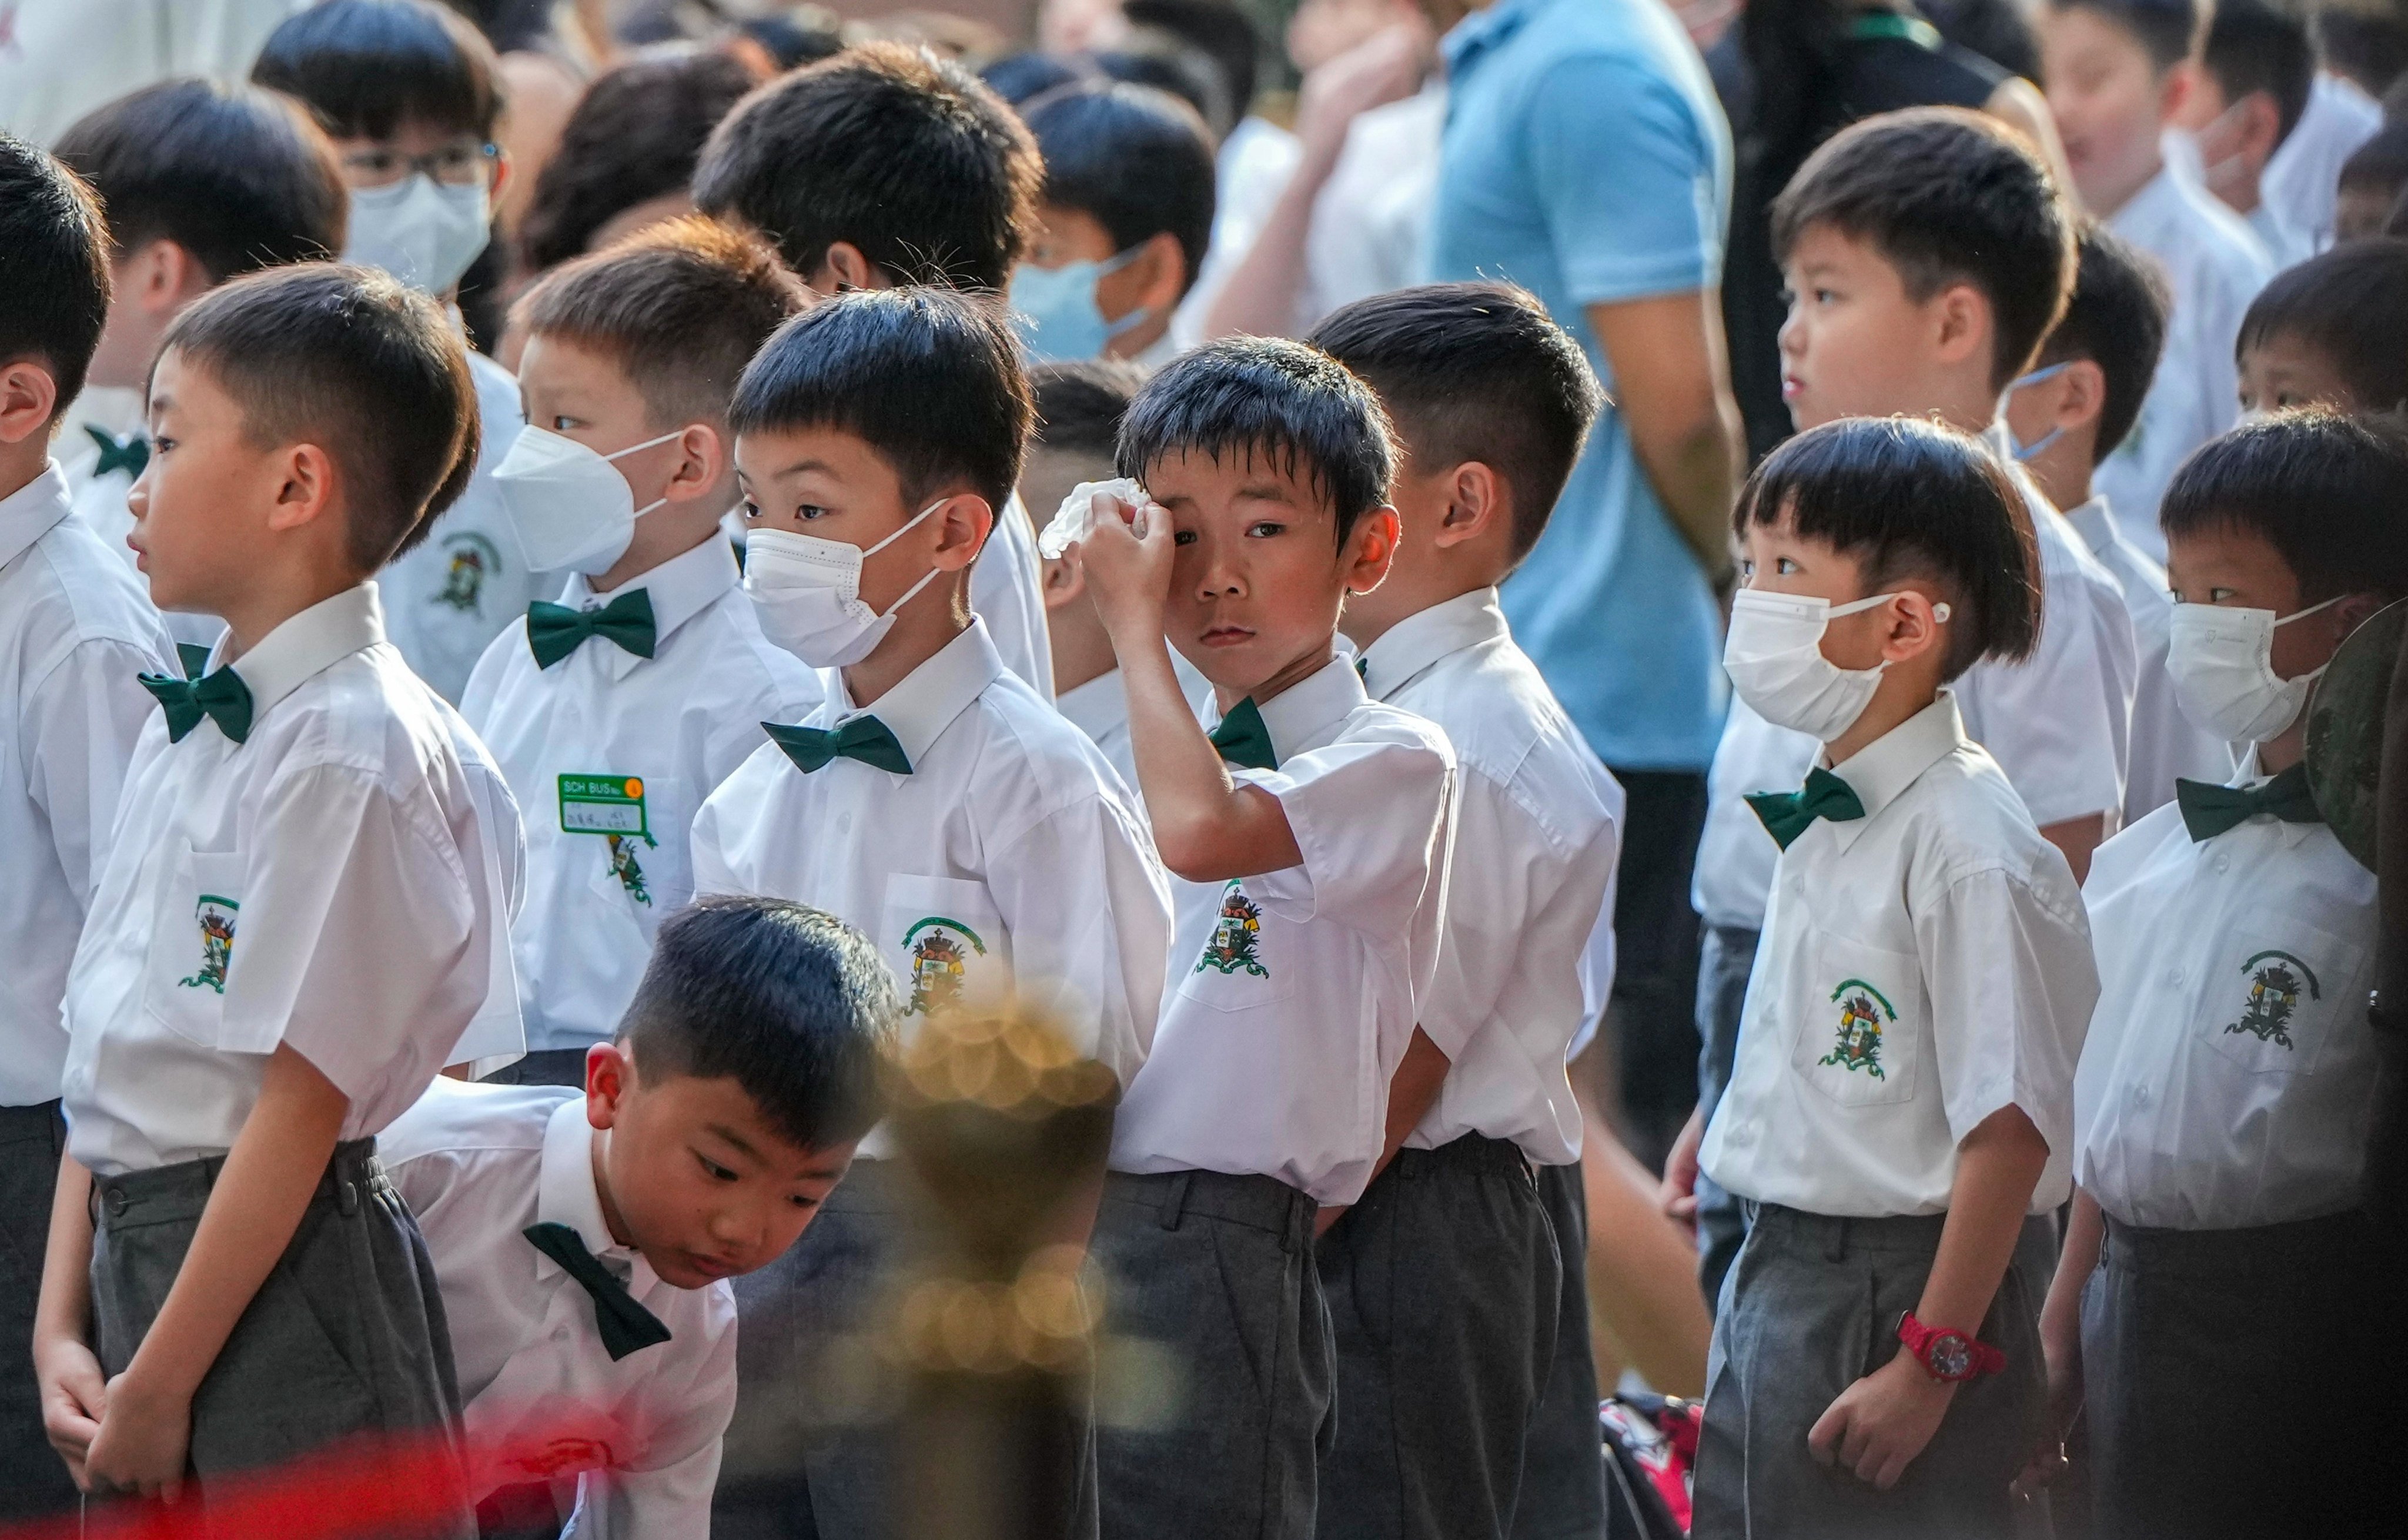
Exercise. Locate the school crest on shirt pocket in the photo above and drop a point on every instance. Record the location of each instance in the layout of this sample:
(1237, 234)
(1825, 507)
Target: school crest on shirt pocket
(216, 915)
(1865, 1012)
(190, 958)
(1236, 943)
(1860, 1022)
(474, 561)
(940, 950)
(2276, 982)
(2279, 997)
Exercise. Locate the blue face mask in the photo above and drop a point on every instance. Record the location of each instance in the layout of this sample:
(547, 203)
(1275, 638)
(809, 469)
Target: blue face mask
(1055, 311)
(2024, 451)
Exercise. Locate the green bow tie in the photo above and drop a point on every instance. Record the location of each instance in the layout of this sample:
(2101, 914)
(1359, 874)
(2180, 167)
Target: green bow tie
(2208, 809)
(555, 631)
(863, 738)
(1243, 740)
(626, 1325)
(220, 697)
(130, 454)
(1787, 814)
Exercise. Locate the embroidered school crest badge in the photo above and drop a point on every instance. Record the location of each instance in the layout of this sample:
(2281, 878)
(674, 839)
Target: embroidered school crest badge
(474, 559)
(940, 950)
(2275, 980)
(626, 868)
(216, 916)
(1235, 935)
(1863, 1012)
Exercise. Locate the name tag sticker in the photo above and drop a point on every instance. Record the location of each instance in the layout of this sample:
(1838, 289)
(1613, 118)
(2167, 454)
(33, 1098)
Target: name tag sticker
(603, 805)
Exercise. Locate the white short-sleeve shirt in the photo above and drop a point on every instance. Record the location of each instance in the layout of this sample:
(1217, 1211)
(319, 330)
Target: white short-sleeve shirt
(478, 1164)
(2166, 745)
(1008, 592)
(1371, 224)
(1099, 709)
(1536, 835)
(2214, 264)
(340, 881)
(2303, 178)
(1292, 995)
(2229, 1075)
(1921, 967)
(1009, 858)
(609, 754)
(76, 631)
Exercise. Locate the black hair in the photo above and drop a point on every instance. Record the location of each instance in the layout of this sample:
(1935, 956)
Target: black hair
(2171, 30)
(1218, 29)
(2350, 304)
(1475, 371)
(2380, 160)
(1167, 63)
(636, 135)
(1136, 159)
(1997, 30)
(367, 67)
(2253, 45)
(904, 155)
(1019, 76)
(1947, 195)
(1294, 406)
(1909, 497)
(2325, 490)
(927, 377)
(356, 361)
(2116, 319)
(1079, 403)
(794, 39)
(2366, 40)
(237, 177)
(790, 1003)
(54, 267)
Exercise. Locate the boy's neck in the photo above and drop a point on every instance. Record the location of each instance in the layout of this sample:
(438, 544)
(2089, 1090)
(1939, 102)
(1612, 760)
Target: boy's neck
(639, 560)
(1899, 699)
(21, 464)
(2278, 754)
(251, 617)
(923, 628)
(599, 1160)
(1372, 616)
(2111, 200)
(1304, 665)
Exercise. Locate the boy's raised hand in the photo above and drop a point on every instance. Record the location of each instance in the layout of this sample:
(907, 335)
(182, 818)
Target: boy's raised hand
(1882, 1421)
(1126, 557)
(143, 1443)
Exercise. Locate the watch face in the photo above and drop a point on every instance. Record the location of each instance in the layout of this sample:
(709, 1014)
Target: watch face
(1950, 1356)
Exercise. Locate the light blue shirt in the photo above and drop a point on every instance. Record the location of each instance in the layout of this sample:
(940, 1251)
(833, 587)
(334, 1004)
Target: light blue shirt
(1586, 160)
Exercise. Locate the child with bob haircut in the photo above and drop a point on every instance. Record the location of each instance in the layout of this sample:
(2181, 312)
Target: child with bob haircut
(2228, 1087)
(1308, 828)
(617, 709)
(584, 1237)
(933, 799)
(1900, 1108)
(302, 919)
(76, 633)
(2331, 332)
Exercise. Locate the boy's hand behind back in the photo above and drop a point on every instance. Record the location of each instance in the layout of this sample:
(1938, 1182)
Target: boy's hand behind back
(1882, 1421)
(1126, 557)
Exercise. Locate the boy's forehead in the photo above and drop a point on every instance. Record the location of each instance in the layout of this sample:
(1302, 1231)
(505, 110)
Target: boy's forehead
(1234, 471)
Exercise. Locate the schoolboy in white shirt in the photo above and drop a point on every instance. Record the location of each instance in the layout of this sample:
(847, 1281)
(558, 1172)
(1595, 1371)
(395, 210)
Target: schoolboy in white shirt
(2065, 417)
(934, 801)
(301, 919)
(1308, 832)
(76, 629)
(584, 1239)
(2119, 74)
(2228, 1087)
(1454, 1289)
(1899, 1110)
(615, 711)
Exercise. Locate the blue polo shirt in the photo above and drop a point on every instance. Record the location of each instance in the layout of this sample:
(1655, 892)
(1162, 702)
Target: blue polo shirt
(1585, 159)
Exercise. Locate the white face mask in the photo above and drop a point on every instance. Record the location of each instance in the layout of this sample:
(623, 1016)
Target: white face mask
(419, 231)
(807, 592)
(2222, 661)
(571, 509)
(1775, 657)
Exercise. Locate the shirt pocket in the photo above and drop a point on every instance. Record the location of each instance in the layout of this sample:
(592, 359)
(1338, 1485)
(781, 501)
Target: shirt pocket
(1859, 1021)
(643, 875)
(2277, 996)
(1249, 958)
(194, 931)
(945, 939)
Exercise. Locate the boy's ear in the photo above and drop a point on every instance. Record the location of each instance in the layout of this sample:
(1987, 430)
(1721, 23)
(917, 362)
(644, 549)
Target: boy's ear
(845, 267)
(1371, 549)
(609, 1075)
(307, 488)
(2174, 89)
(28, 397)
(1965, 323)
(1163, 273)
(1915, 626)
(962, 525)
(702, 465)
(1476, 503)
(1064, 581)
(161, 278)
(2081, 395)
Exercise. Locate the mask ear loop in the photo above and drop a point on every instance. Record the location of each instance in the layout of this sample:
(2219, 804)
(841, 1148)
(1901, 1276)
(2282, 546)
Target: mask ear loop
(913, 591)
(657, 502)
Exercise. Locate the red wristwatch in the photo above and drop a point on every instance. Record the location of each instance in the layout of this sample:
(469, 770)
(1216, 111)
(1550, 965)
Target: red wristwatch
(1948, 1356)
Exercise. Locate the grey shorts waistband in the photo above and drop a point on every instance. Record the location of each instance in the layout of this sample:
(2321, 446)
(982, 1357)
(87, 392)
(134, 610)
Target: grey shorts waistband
(30, 1124)
(2257, 1251)
(1259, 1202)
(1837, 1235)
(166, 1194)
(1475, 1153)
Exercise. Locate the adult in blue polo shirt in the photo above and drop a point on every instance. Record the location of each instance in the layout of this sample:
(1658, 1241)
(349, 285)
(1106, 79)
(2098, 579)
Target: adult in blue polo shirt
(1587, 159)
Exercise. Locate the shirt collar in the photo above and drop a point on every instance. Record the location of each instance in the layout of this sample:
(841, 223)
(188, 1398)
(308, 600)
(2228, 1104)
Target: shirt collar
(2251, 773)
(1309, 708)
(1483, 30)
(928, 698)
(566, 1194)
(1405, 650)
(681, 588)
(2095, 523)
(31, 511)
(1883, 769)
(1097, 706)
(305, 646)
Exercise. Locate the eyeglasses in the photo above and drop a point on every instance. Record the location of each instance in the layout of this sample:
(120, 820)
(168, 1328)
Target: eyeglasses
(454, 165)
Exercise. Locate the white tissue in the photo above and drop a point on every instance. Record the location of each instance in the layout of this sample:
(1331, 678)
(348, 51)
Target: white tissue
(1076, 517)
